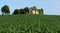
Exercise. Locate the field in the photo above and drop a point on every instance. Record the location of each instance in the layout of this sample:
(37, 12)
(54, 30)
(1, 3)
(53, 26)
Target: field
(29, 24)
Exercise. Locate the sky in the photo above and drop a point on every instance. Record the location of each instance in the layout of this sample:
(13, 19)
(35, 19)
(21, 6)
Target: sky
(51, 7)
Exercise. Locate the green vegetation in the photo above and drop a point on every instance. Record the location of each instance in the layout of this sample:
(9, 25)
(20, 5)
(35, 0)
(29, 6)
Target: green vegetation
(5, 10)
(41, 11)
(29, 24)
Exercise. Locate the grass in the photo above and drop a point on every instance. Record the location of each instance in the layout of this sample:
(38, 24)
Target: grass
(29, 24)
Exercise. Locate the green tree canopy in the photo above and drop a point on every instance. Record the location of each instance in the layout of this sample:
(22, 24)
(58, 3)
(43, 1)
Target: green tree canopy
(26, 9)
(21, 11)
(16, 11)
(5, 9)
(34, 7)
(40, 11)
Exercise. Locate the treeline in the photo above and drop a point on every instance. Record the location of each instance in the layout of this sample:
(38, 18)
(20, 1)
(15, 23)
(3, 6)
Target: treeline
(33, 10)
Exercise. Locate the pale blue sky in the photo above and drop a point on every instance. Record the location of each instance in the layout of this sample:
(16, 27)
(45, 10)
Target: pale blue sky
(49, 6)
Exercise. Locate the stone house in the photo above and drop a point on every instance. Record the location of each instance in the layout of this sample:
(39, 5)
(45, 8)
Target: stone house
(32, 11)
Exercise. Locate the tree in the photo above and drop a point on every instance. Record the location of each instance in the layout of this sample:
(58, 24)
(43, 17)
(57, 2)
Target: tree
(5, 10)
(34, 7)
(40, 11)
(22, 11)
(26, 10)
(16, 11)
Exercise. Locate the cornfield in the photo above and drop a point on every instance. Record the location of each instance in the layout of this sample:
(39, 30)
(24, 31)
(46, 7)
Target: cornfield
(29, 24)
